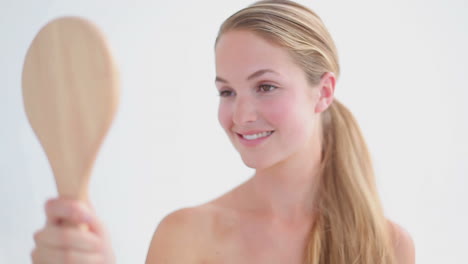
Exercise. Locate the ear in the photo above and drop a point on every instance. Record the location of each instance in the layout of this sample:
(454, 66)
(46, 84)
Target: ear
(326, 91)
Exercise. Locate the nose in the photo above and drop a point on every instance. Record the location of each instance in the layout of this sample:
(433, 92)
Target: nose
(244, 110)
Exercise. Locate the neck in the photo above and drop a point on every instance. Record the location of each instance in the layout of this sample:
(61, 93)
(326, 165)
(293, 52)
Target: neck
(288, 190)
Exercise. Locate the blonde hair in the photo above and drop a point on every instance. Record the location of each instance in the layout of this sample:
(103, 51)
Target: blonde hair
(351, 226)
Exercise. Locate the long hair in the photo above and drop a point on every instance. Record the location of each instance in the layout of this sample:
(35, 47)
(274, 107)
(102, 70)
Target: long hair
(350, 227)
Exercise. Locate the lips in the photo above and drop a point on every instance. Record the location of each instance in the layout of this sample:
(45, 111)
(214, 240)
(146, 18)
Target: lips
(254, 136)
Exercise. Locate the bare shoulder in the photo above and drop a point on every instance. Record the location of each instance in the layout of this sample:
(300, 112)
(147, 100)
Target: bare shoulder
(403, 244)
(191, 235)
(179, 236)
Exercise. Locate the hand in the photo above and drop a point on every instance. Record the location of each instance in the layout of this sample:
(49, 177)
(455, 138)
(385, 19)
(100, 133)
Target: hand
(64, 240)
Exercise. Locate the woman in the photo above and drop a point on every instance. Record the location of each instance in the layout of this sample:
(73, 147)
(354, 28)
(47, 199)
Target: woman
(313, 197)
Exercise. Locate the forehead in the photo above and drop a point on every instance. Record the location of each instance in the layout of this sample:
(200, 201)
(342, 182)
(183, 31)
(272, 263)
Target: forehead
(242, 52)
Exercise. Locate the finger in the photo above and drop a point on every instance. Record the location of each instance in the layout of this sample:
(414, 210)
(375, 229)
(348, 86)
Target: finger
(72, 211)
(61, 209)
(45, 255)
(64, 237)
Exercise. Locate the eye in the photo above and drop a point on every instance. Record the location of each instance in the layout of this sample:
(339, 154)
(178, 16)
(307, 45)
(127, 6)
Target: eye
(226, 93)
(267, 88)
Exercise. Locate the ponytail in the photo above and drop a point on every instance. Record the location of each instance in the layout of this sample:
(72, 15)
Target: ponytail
(351, 227)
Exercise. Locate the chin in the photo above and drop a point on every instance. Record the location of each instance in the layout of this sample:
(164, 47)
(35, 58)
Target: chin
(257, 163)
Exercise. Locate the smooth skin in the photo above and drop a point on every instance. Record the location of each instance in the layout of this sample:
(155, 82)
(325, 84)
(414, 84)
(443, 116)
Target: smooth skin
(266, 219)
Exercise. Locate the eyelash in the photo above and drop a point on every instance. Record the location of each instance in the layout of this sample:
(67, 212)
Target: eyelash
(267, 85)
(227, 93)
(223, 93)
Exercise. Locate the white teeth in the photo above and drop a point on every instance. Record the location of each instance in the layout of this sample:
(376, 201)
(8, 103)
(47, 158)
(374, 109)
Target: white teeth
(259, 135)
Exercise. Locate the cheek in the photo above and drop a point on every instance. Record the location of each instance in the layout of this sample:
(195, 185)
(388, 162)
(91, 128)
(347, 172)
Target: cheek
(292, 117)
(282, 111)
(224, 115)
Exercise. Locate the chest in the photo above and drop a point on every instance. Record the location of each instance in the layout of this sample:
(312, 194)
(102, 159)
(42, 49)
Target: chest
(257, 244)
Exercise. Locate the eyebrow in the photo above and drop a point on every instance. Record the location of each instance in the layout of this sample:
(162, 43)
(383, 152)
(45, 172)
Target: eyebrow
(252, 76)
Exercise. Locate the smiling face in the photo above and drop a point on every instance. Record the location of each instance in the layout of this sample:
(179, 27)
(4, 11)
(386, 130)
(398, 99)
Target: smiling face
(267, 107)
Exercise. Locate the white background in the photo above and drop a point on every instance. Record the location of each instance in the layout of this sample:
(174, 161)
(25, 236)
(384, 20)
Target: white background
(404, 76)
